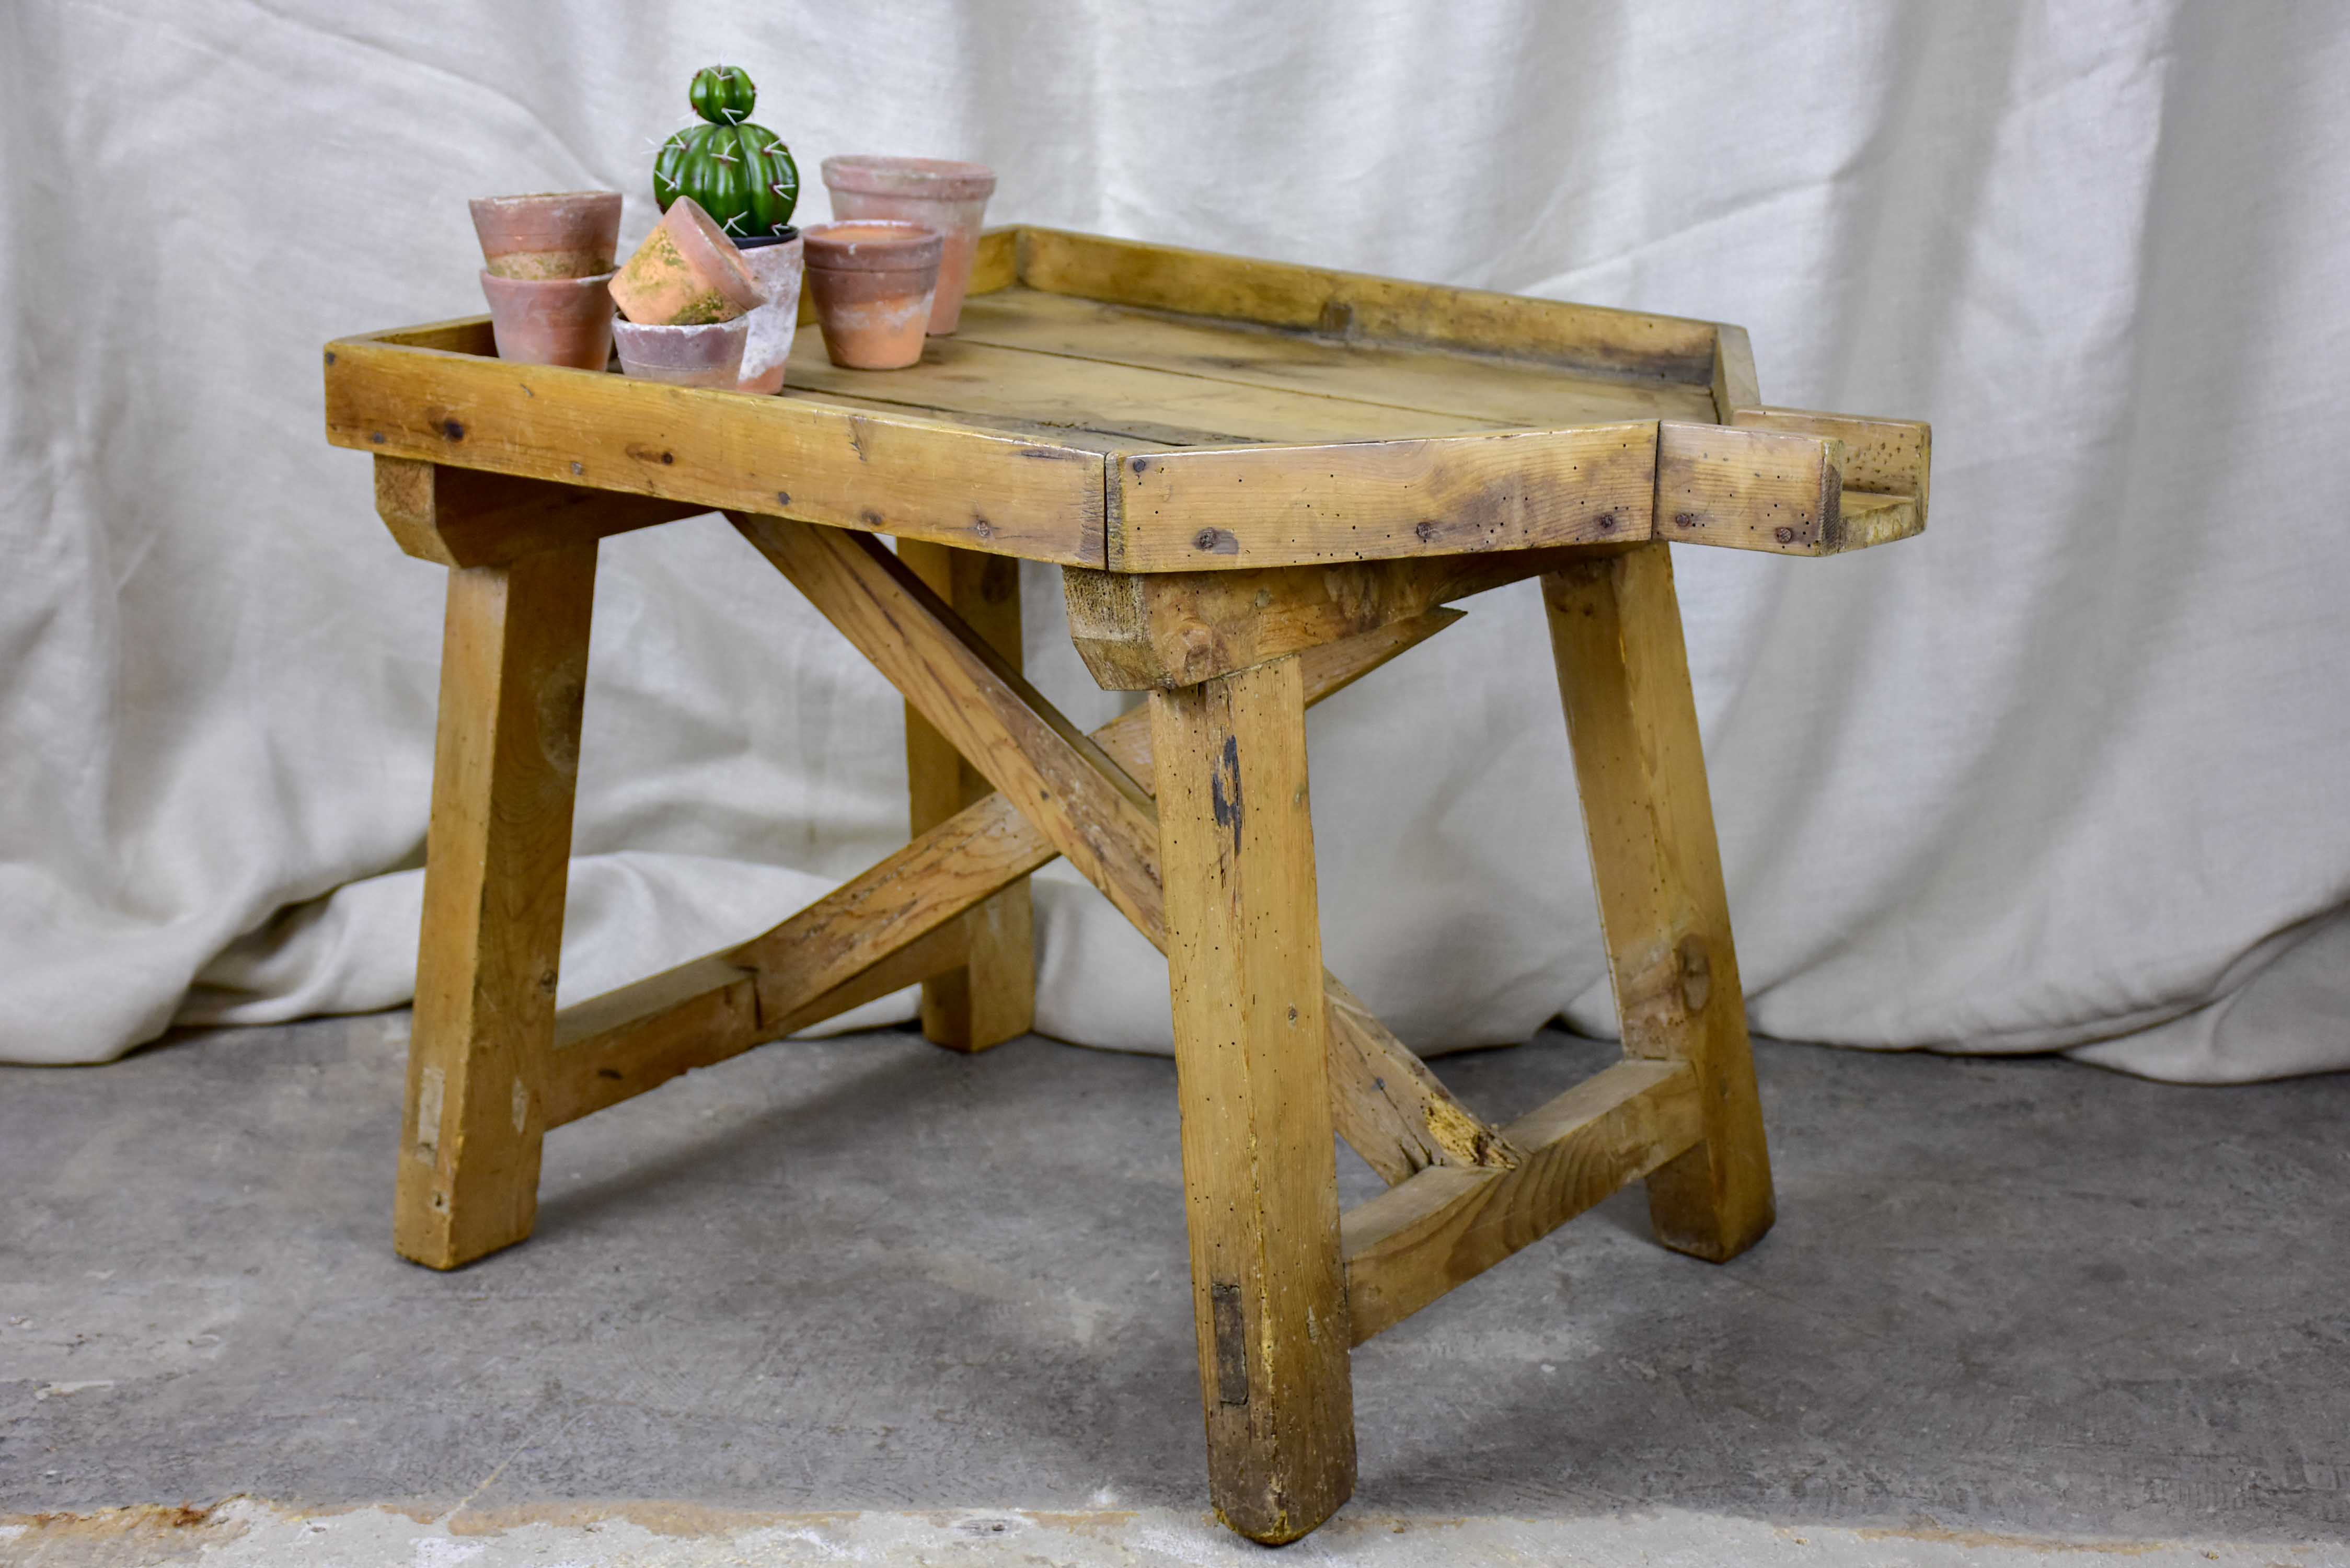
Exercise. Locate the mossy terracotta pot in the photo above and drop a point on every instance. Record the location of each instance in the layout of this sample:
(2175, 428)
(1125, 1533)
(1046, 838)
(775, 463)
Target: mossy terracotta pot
(705, 355)
(779, 265)
(936, 192)
(567, 233)
(551, 320)
(686, 273)
(874, 283)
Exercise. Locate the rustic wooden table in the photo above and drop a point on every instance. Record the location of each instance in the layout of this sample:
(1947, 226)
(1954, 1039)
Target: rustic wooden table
(1261, 482)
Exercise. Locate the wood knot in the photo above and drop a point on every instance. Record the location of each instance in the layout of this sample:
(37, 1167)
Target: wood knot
(1697, 974)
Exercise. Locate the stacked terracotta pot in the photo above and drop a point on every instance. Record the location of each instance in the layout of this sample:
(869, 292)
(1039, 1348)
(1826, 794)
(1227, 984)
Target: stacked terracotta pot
(696, 310)
(547, 267)
(893, 265)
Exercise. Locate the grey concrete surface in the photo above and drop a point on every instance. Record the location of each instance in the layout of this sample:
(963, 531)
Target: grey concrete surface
(2010, 1305)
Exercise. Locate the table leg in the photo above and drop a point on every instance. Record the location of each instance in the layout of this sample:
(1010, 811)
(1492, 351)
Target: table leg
(1244, 966)
(1623, 674)
(994, 998)
(513, 672)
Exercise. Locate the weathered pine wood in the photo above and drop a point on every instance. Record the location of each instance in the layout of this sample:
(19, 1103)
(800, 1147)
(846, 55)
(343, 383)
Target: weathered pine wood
(1623, 677)
(466, 517)
(1083, 803)
(934, 881)
(616, 1046)
(1880, 519)
(1749, 489)
(1354, 305)
(1071, 791)
(1244, 970)
(1534, 394)
(1279, 506)
(1447, 1225)
(992, 998)
(637, 1038)
(1103, 441)
(1000, 494)
(1734, 385)
(995, 265)
(461, 335)
(1390, 1108)
(1156, 405)
(897, 923)
(1167, 629)
(514, 674)
(1883, 457)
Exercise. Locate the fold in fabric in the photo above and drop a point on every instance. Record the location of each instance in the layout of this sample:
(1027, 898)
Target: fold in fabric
(2068, 772)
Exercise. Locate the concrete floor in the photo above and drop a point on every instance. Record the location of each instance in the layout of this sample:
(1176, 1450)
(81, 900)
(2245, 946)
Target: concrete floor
(863, 1299)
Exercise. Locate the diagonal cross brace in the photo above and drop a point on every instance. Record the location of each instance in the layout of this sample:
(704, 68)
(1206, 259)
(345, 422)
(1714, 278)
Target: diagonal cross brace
(896, 923)
(1091, 809)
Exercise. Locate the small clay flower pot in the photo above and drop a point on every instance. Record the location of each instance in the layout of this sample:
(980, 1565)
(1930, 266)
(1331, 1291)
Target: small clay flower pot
(874, 283)
(710, 355)
(551, 320)
(778, 261)
(570, 234)
(686, 273)
(936, 192)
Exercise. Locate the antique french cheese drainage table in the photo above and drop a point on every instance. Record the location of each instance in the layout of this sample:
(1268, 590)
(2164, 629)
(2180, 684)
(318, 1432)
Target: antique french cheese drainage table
(1261, 482)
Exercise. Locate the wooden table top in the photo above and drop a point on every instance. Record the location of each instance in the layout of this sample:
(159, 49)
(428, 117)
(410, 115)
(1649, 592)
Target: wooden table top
(1141, 408)
(1113, 378)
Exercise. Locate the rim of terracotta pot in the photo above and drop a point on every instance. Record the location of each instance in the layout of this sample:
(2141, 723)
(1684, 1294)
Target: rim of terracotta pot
(873, 245)
(541, 198)
(731, 274)
(734, 326)
(499, 282)
(881, 174)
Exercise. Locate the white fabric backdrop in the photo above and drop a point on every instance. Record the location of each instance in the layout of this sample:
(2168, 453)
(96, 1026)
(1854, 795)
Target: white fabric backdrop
(2071, 765)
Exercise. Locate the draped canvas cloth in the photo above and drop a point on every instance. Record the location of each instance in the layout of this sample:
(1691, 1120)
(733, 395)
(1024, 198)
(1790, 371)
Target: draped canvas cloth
(2068, 772)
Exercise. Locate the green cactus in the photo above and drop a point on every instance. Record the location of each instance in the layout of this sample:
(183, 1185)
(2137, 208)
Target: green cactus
(742, 173)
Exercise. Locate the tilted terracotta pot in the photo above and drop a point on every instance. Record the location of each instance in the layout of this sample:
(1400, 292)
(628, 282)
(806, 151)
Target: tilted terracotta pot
(936, 192)
(686, 273)
(568, 233)
(551, 320)
(778, 264)
(704, 356)
(874, 282)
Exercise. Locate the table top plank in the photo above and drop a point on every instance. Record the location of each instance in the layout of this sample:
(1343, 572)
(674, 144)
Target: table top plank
(1164, 406)
(1488, 387)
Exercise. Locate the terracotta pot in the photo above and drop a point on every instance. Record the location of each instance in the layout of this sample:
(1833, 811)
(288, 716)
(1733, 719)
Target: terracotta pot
(551, 320)
(705, 355)
(936, 192)
(686, 273)
(874, 282)
(571, 234)
(778, 263)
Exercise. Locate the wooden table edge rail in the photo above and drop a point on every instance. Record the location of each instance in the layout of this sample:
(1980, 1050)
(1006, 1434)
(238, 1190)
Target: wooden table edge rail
(1237, 585)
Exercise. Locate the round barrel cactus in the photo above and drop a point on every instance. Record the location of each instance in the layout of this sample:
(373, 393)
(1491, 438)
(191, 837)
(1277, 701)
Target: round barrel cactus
(742, 173)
